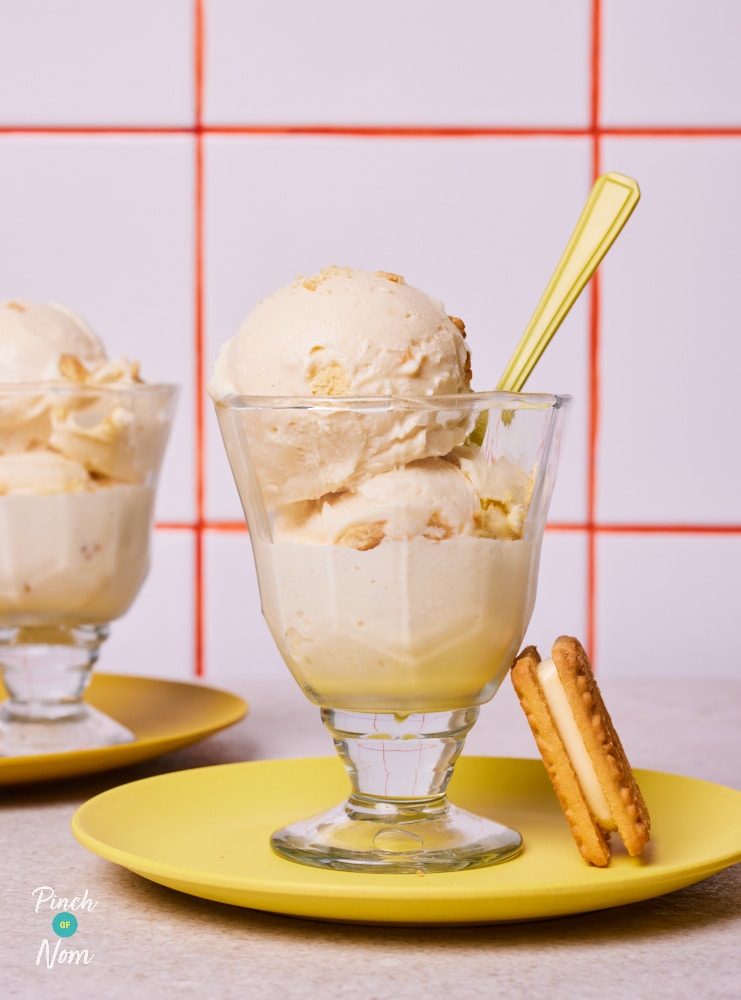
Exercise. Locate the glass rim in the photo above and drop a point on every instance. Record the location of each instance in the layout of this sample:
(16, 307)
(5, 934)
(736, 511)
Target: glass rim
(93, 388)
(493, 399)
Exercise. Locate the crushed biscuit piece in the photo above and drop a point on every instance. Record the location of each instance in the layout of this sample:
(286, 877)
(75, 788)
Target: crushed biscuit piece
(363, 536)
(437, 529)
(72, 368)
(457, 321)
(314, 281)
(117, 370)
(390, 276)
(411, 353)
(330, 380)
(16, 306)
(497, 519)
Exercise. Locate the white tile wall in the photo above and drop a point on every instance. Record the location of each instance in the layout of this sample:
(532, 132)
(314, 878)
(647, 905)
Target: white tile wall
(668, 604)
(669, 448)
(166, 163)
(671, 63)
(83, 62)
(410, 63)
(156, 637)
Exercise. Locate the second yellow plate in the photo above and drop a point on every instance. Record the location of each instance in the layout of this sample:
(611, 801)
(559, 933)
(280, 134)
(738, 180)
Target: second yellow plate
(206, 832)
(163, 715)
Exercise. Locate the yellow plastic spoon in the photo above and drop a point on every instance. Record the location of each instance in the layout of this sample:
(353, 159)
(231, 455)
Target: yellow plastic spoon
(610, 203)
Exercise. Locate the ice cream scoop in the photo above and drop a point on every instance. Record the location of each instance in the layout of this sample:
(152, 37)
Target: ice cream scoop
(433, 498)
(430, 498)
(343, 333)
(34, 335)
(47, 345)
(41, 472)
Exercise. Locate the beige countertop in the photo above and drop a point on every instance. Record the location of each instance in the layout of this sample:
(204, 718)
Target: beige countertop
(149, 941)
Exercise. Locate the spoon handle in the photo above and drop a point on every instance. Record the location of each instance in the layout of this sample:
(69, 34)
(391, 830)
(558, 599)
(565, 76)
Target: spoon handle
(610, 203)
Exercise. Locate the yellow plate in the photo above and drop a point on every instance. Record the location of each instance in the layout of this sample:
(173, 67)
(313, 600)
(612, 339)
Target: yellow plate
(205, 832)
(163, 715)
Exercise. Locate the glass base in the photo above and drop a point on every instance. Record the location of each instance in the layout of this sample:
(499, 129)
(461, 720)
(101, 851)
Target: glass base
(86, 729)
(397, 817)
(46, 670)
(414, 838)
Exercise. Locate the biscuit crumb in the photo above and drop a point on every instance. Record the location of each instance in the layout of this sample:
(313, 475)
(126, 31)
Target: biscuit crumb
(363, 537)
(437, 529)
(72, 368)
(330, 380)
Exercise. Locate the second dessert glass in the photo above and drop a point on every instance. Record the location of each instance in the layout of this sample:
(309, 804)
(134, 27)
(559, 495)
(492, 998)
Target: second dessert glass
(398, 606)
(78, 472)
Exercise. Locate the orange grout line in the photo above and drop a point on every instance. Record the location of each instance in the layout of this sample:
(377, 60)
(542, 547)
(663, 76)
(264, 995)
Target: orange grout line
(594, 67)
(593, 400)
(199, 37)
(390, 131)
(198, 568)
(607, 528)
(593, 414)
(667, 529)
(234, 527)
(671, 131)
(96, 130)
(402, 131)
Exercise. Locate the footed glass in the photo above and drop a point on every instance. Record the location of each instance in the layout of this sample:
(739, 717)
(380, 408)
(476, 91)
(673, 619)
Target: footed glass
(78, 472)
(397, 544)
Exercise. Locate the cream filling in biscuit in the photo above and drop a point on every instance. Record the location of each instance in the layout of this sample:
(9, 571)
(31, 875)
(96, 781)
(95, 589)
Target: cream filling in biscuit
(563, 719)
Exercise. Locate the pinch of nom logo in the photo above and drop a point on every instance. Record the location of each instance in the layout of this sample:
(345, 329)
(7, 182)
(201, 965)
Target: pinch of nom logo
(64, 924)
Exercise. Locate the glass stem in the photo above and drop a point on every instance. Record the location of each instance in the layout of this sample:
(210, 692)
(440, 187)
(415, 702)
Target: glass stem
(46, 669)
(399, 762)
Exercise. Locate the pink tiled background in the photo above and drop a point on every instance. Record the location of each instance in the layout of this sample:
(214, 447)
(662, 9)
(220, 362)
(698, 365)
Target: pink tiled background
(164, 164)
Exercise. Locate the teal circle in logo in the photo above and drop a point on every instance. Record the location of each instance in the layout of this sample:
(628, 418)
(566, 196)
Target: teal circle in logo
(64, 924)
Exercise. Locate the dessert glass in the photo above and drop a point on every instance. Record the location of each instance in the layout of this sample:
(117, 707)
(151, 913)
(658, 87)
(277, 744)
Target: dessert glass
(401, 642)
(73, 551)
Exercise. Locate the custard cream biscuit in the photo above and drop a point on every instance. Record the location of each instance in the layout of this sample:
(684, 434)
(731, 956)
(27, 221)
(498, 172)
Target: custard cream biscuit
(581, 750)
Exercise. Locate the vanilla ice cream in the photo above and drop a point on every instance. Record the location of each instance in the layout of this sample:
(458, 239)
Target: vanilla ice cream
(415, 588)
(407, 626)
(81, 440)
(47, 344)
(73, 556)
(344, 333)
(435, 498)
(34, 336)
